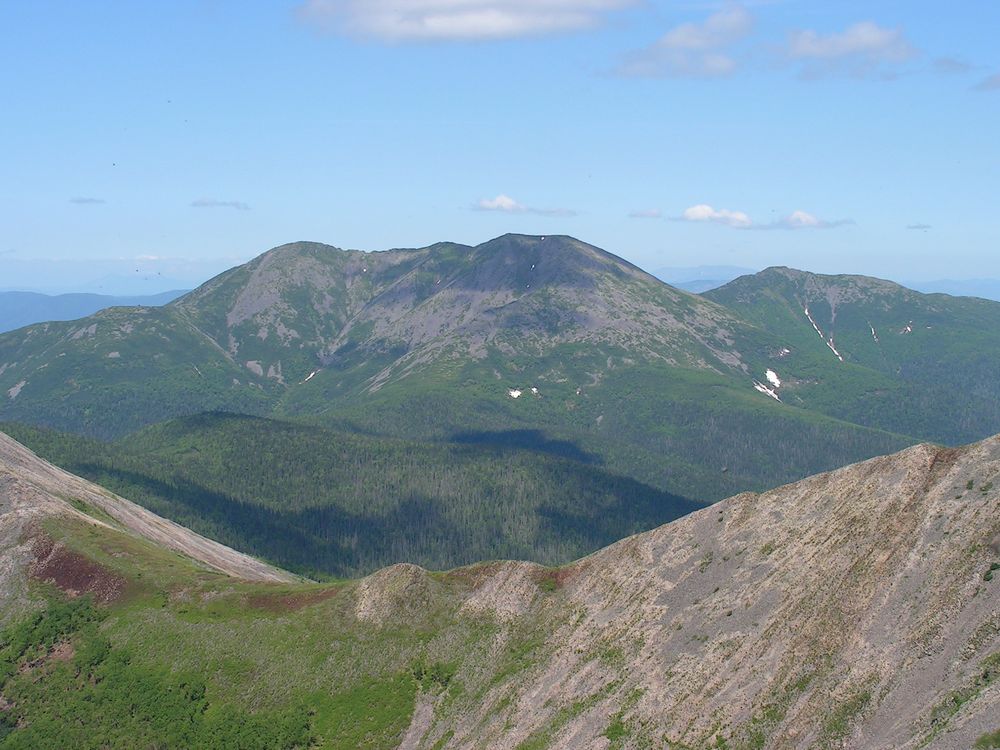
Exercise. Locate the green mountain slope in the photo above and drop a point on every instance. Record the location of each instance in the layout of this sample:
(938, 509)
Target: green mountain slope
(874, 353)
(119, 369)
(332, 503)
(521, 340)
(855, 609)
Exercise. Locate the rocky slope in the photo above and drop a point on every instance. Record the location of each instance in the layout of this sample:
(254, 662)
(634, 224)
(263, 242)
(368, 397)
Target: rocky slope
(33, 492)
(857, 608)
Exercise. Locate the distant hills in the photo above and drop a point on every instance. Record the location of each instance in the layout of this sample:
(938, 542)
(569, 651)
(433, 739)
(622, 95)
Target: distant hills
(19, 309)
(855, 609)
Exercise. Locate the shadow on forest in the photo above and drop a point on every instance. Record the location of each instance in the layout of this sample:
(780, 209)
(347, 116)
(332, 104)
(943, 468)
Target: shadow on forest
(532, 440)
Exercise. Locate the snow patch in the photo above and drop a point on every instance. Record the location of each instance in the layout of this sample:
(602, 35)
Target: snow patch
(874, 334)
(907, 329)
(534, 391)
(310, 376)
(758, 386)
(514, 393)
(114, 355)
(773, 379)
(827, 341)
(784, 351)
(13, 392)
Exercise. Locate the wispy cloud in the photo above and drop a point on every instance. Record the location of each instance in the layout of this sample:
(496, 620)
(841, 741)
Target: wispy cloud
(920, 227)
(705, 213)
(436, 20)
(647, 213)
(505, 204)
(862, 49)
(951, 65)
(990, 83)
(697, 50)
(213, 203)
(83, 201)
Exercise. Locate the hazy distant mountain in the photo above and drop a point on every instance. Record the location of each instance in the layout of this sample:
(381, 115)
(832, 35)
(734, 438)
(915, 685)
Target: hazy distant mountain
(19, 309)
(985, 288)
(856, 609)
(681, 275)
(699, 286)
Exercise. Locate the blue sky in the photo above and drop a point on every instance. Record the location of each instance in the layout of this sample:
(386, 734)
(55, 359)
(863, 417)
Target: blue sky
(172, 140)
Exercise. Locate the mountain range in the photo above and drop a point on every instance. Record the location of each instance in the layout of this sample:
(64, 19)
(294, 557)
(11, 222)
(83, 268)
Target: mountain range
(539, 343)
(19, 309)
(855, 609)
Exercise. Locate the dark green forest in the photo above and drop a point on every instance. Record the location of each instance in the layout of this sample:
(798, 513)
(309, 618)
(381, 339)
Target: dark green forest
(327, 503)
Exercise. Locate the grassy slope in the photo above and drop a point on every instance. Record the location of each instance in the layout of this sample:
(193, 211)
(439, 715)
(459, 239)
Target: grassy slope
(326, 502)
(190, 658)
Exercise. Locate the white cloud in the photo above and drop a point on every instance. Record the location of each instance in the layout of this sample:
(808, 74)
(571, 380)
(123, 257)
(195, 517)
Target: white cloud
(504, 203)
(432, 20)
(700, 50)
(501, 203)
(704, 212)
(741, 220)
(991, 83)
(860, 49)
(647, 213)
(212, 203)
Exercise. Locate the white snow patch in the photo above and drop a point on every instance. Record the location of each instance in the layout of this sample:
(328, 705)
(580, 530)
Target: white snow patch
(874, 335)
(828, 342)
(834, 349)
(773, 379)
(514, 393)
(12, 392)
(758, 386)
(114, 355)
(532, 266)
(784, 352)
(310, 376)
(534, 391)
(577, 391)
(908, 328)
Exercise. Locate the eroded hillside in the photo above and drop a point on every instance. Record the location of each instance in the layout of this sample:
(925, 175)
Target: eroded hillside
(857, 608)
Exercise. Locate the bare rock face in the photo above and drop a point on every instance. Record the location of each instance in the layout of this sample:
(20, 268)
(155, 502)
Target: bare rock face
(852, 609)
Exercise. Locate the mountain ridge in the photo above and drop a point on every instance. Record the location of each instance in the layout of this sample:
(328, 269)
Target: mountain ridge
(854, 609)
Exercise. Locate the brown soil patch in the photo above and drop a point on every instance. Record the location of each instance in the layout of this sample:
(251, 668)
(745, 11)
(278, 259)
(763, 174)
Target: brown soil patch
(73, 573)
(291, 602)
